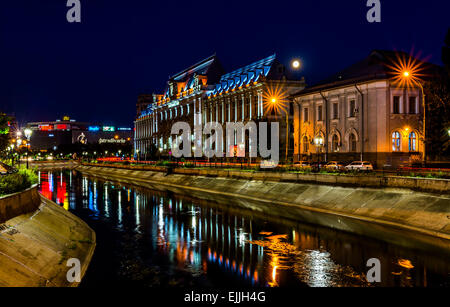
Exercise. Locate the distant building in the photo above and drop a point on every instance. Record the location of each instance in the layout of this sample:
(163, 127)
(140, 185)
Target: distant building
(203, 93)
(361, 114)
(52, 135)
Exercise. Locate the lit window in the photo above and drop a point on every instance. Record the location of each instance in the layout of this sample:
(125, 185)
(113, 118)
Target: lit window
(396, 141)
(412, 142)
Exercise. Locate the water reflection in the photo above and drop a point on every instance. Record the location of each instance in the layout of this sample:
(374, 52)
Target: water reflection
(152, 239)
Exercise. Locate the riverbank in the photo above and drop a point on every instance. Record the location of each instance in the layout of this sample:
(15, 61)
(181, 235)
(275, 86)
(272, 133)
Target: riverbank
(336, 207)
(36, 242)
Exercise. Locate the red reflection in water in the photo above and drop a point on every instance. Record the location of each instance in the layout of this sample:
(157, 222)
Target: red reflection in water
(47, 189)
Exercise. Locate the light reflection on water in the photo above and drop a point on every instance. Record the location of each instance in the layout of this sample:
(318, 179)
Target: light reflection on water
(151, 239)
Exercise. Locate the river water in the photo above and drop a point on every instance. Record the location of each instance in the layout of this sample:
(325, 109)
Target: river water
(149, 238)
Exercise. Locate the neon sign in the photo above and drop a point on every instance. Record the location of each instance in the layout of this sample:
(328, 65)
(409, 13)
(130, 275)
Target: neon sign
(94, 128)
(109, 128)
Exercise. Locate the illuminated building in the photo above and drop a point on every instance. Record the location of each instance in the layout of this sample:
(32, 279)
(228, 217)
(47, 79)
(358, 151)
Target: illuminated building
(204, 93)
(51, 135)
(363, 113)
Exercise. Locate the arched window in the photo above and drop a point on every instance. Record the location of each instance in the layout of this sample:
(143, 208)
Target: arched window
(413, 142)
(396, 139)
(352, 142)
(335, 143)
(305, 144)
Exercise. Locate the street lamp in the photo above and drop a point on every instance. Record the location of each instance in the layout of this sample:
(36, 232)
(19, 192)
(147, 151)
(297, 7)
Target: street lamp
(318, 141)
(275, 106)
(410, 77)
(28, 133)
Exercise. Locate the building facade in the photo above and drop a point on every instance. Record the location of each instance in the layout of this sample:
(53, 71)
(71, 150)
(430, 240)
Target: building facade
(204, 93)
(51, 135)
(361, 114)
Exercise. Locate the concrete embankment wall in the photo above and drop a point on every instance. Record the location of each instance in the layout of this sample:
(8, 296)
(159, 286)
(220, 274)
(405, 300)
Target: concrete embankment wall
(19, 203)
(35, 246)
(424, 213)
(441, 186)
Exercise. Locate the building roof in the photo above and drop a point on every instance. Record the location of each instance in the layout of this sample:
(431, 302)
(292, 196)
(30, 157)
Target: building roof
(209, 67)
(200, 68)
(246, 75)
(377, 66)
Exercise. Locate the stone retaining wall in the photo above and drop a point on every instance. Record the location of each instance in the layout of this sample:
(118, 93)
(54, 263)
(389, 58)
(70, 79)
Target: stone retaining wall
(441, 186)
(403, 209)
(37, 237)
(19, 203)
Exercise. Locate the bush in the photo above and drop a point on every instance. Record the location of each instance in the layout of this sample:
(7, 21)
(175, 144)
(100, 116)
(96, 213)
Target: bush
(17, 182)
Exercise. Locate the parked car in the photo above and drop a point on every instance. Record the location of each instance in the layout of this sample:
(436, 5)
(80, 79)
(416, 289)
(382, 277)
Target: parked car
(317, 166)
(303, 165)
(359, 166)
(334, 166)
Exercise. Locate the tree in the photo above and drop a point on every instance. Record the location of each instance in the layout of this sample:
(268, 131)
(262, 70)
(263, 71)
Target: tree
(438, 107)
(4, 131)
(446, 52)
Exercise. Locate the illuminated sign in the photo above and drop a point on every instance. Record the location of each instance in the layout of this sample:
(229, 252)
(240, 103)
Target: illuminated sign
(124, 129)
(94, 128)
(109, 128)
(66, 118)
(61, 127)
(45, 127)
(114, 141)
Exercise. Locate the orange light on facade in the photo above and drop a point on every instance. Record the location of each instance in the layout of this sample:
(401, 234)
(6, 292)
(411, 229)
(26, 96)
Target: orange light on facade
(407, 71)
(275, 100)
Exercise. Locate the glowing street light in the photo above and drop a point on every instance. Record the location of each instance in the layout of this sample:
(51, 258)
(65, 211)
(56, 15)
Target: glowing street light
(28, 133)
(410, 78)
(279, 105)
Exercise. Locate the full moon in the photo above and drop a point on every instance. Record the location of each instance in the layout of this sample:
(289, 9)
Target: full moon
(296, 64)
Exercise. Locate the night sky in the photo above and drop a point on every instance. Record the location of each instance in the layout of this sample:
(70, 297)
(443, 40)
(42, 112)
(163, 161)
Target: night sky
(94, 70)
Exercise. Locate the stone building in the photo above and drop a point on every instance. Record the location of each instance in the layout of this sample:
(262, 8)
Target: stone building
(361, 114)
(203, 93)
